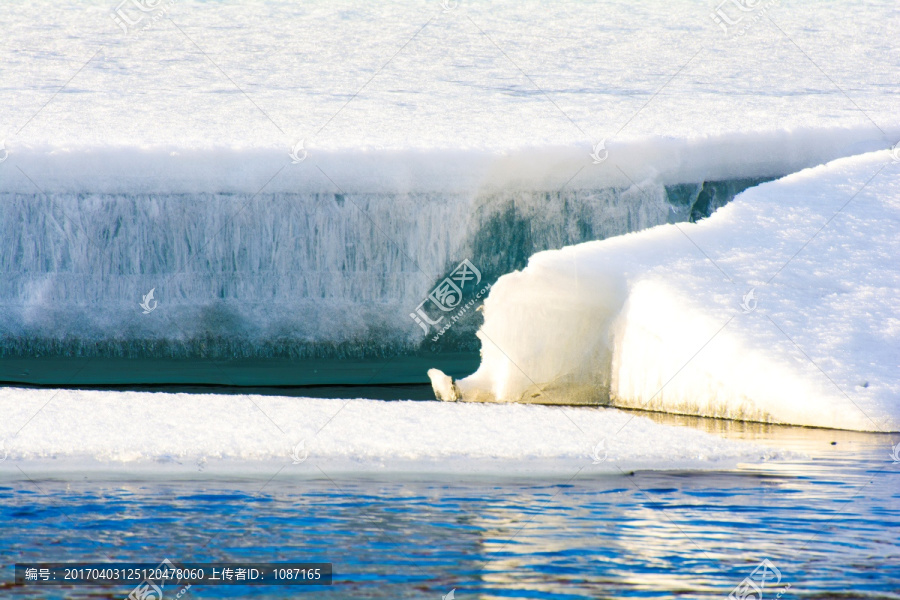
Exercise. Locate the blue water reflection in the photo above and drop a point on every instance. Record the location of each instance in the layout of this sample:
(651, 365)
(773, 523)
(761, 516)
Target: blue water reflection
(830, 524)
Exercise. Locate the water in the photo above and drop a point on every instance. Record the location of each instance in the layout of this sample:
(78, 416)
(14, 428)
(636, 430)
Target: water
(279, 375)
(829, 522)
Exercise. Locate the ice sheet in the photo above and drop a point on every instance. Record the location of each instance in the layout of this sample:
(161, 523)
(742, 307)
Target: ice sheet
(196, 435)
(249, 267)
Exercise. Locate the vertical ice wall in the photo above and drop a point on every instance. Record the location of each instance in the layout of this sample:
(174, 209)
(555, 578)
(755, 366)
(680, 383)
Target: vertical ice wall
(311, 273)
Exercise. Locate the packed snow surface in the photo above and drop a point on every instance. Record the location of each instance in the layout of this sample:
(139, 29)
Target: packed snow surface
(781, 307)
(66, 430)
(410, 74)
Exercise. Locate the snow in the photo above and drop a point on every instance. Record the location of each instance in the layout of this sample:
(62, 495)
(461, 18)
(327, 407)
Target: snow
(173, 169)
(781, 307)
(443, 386)
(482, 75)
(72, 431)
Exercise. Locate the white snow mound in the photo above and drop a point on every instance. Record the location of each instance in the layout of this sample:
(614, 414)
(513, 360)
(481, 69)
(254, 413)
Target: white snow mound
(784, 306)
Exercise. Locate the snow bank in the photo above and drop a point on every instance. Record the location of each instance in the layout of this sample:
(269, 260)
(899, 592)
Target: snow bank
(782, 307)
(133, 432)
(177, 169)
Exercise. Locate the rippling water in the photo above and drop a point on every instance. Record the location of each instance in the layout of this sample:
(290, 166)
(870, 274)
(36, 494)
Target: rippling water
(828, 522)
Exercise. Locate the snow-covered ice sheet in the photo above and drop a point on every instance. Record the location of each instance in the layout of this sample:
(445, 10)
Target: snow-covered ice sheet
(69, 431)
(175, 169)
(424, 129)
(304, 263)
(303, 267)
(781, 307)
(410, 74)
